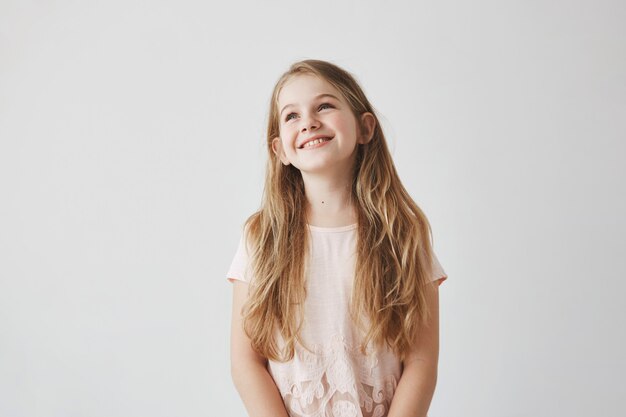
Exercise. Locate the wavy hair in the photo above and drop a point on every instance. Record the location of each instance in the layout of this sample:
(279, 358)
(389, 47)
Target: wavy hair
(394, 249)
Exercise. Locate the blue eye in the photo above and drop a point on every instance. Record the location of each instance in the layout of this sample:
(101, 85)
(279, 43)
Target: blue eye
(288, 117)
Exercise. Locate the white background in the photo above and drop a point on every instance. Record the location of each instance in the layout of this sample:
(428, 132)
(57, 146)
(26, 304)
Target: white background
(132, 152)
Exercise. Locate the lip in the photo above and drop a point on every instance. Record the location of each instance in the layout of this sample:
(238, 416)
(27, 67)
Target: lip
(318, 145)
(313, 138)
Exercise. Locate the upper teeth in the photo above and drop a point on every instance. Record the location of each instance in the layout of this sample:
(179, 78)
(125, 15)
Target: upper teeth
(315, 142)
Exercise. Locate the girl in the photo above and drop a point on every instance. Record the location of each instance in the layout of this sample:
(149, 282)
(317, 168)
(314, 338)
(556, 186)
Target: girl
(335, 284)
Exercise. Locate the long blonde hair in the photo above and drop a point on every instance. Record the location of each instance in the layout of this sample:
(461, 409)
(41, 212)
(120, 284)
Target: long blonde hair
(394, 249)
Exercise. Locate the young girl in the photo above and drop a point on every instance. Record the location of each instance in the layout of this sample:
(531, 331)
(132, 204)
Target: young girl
(335, 284)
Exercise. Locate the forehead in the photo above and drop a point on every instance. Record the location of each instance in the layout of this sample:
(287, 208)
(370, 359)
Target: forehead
(303, 88)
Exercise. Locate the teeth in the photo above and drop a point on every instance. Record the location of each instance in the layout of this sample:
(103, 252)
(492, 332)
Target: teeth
(315, 142)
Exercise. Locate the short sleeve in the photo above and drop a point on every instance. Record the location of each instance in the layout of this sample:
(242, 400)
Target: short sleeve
(239, 265)
(438, 274)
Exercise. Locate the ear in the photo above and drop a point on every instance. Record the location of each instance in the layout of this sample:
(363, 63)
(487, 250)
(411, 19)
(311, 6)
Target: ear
(368, 123)
(277, 147)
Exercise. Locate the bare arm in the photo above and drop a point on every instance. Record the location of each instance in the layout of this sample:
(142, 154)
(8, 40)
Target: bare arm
(417, 384)
(248, 369)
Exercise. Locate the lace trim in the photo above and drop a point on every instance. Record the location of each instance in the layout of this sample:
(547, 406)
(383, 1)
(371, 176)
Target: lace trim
(335, 380)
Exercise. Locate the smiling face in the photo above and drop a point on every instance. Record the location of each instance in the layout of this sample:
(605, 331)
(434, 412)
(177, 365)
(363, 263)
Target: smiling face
(311, 107)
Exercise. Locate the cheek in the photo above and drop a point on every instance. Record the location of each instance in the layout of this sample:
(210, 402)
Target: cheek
(288, 141)
(346, 125)
(287, 133)
(289, 130)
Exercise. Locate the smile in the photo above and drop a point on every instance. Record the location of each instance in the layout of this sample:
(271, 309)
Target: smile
(316, 143)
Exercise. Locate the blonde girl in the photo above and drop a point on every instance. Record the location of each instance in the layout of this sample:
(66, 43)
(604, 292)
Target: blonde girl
(335, 283)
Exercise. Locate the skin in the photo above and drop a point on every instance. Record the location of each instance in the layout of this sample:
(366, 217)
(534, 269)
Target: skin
(326, 171)
(254, 384)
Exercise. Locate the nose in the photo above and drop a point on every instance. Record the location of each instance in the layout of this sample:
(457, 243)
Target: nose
(310, 123)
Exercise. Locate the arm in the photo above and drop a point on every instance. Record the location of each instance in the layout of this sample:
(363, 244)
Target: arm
(417, 384)
(248, 369)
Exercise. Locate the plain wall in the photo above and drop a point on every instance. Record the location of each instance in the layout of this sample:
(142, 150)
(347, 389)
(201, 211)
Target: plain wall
(132, 152)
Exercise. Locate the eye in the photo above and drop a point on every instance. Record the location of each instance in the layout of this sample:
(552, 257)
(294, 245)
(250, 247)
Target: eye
(288, 117)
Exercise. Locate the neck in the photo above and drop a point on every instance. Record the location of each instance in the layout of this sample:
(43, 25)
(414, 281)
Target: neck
(329, 200)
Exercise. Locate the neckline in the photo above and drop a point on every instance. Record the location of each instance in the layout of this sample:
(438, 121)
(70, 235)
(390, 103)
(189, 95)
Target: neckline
(332, 229)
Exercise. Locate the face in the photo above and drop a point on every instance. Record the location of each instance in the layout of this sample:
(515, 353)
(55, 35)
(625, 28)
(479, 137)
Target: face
(311, 107)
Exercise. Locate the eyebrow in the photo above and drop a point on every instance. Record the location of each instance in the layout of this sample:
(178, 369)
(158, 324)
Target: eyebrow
(315, 98)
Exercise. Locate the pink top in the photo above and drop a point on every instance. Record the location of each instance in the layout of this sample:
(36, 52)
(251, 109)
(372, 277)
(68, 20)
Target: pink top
(336, 379)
